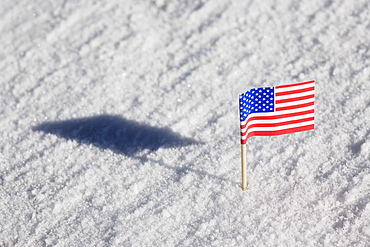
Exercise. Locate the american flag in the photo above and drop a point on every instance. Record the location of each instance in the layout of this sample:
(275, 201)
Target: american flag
(269, 111)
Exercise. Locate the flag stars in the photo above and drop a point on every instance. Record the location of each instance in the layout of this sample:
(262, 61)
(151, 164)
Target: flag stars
(256, 100)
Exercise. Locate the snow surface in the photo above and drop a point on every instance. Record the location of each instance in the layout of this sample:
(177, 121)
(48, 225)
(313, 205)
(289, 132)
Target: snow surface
(120, 123)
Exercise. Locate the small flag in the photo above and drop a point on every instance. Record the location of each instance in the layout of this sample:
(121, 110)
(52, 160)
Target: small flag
(269, 111)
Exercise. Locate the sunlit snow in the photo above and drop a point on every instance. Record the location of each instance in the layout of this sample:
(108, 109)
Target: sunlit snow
(120, 123)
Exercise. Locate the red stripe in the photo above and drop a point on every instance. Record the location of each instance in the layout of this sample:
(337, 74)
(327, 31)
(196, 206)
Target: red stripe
(281, 101)
(295, 91)
(295, 84)
(294, 114)
(267, 125)
(278, 132)
(294, 106)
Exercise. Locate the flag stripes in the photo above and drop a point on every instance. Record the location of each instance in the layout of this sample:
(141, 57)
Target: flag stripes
(280, 132)
(295, 91)
(295, 99)
(294, 85)
(290, 107)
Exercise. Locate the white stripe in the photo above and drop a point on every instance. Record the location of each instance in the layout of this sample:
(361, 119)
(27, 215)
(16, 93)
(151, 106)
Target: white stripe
(285, 89)
(280, 120)
(298, 102)
(277, 113)
(295, 95)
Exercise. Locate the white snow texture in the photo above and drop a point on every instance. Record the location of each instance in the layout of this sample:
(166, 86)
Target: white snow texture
(120, 127)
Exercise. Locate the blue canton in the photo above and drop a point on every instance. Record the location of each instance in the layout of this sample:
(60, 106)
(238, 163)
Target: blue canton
(256, 100)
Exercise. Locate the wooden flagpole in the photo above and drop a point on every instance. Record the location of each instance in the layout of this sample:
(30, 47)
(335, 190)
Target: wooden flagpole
(243, 155)
(244, 166)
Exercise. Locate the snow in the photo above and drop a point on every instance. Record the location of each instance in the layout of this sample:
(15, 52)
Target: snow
(120, 123)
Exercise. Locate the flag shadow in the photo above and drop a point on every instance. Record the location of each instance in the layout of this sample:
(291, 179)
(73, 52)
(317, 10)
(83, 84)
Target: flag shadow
(115, 133)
